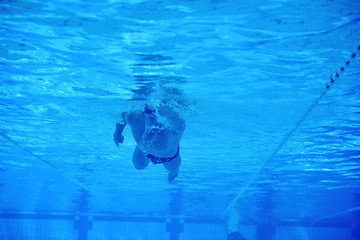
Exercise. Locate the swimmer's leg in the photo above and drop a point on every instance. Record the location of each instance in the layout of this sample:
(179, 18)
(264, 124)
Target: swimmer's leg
(139, 159)
(173, 168)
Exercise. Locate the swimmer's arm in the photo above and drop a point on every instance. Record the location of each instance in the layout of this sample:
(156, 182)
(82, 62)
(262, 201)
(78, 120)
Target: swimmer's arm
(119, 128)
(176, 122)
(118, 137)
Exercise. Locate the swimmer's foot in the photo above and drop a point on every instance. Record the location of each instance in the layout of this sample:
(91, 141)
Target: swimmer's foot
(172, 175)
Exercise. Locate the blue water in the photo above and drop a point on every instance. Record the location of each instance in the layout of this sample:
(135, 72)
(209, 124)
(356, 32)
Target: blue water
(244, 74)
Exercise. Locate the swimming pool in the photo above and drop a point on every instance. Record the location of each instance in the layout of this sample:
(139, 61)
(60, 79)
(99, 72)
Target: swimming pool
(270, 143)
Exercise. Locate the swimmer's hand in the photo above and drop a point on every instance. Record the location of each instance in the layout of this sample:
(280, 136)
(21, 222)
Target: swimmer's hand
(118, 137)
(176, 122)
(164, 110)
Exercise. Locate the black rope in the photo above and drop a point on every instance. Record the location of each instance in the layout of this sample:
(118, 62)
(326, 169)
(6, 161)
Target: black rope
(341, 70)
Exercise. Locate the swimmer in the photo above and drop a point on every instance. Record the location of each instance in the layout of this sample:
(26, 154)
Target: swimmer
(157, 140)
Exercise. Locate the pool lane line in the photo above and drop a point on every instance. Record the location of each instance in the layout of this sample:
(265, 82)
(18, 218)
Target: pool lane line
(329, 83)
(58, 170)
(337, 214)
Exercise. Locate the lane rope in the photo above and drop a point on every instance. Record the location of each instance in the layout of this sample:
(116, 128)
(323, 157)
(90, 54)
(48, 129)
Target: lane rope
(333, 77)
(337, 214)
